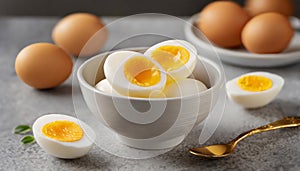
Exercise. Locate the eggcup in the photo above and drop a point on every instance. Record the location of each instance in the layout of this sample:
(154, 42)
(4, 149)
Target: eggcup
(150, 123)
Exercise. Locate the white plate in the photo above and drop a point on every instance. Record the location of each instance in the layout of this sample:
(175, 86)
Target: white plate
(241, 56)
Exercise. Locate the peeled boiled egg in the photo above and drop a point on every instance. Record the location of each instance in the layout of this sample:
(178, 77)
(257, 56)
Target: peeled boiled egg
(254, 89)
(80, 34)
(105, 86)
(177, 57)
(222, 23)
(267, 33)
(184, 87)
(43, 65)
(135, 75)
(63, 136)
(255, 7)
(113, 61)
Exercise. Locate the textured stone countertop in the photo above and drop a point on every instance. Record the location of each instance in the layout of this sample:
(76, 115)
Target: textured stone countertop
(20, 104)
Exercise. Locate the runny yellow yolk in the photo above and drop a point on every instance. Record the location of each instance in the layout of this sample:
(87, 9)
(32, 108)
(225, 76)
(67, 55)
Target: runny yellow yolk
(171, 57)
(254, 83)
(63, 130)
(141, 71)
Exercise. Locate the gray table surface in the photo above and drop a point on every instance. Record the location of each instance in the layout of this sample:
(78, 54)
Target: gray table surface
(20, 104)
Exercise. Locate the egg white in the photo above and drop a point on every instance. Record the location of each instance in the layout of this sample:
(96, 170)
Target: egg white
(185, 70)
(250, 99)
(114, 61)
(66, 150)
(184, 87)
(105, 86)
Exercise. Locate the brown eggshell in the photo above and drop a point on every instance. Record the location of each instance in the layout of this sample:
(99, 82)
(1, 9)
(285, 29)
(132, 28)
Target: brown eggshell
(80, 34)
(43, 65)
(267, 33)
(255, 7)
(222, 23)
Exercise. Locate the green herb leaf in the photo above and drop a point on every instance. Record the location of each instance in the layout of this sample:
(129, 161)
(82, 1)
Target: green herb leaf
(22, 129)
(27, 139)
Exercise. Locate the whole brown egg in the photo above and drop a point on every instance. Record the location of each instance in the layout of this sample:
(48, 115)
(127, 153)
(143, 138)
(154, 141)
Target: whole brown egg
(255, 7)
(267, 33)
(81, 34)
(222, 23)
(43, 65)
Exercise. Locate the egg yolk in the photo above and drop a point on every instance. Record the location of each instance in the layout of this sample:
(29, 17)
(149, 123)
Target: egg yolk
(141, 71)
(63, 130)
(171, 57)
(254, 83)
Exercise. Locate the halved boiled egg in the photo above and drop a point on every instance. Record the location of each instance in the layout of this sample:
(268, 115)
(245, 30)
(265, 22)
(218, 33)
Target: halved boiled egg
(134, 75)
(63, 136)
(254, 89)
(184, 87)
(177, 57)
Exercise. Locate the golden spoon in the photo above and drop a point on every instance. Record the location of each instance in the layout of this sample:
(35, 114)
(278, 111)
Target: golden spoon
(223, 150)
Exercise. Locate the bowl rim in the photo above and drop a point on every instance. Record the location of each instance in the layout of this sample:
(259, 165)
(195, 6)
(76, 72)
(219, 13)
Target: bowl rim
(188, 29)
(218, 84)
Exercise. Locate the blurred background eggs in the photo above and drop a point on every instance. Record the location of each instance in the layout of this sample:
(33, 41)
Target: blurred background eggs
(255, 7)
(228, 25)
(80, 34)
(267, 33)
(256, 89)
(222, 23)
(43, 65)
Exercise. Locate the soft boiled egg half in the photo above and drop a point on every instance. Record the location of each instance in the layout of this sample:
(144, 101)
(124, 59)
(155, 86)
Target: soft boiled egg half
(63, 136)
(256, 89)
(134, 74)
(177, 57)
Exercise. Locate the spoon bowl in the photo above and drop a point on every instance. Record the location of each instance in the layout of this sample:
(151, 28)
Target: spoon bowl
(218, 150)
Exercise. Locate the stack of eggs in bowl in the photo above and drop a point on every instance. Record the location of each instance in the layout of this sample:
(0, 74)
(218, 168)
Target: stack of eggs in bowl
(156, 73)
(153, 97)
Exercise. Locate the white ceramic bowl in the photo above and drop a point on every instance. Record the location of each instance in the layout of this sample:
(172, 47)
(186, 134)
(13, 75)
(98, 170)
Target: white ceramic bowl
(241, 56)
(150, 123)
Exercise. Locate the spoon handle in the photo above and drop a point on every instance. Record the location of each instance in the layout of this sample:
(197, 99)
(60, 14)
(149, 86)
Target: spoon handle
(286, 122)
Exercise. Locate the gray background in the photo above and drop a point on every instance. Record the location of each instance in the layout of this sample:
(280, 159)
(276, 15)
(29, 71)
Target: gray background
(107, 7)
(20, 104)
